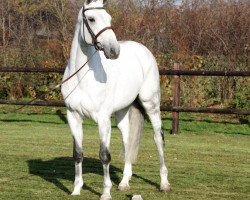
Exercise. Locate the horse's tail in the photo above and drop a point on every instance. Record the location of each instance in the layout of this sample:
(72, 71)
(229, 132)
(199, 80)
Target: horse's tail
(136, 126)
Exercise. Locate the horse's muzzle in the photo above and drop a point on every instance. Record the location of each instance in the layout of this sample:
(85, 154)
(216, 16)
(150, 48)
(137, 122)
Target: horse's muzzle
(112, 52)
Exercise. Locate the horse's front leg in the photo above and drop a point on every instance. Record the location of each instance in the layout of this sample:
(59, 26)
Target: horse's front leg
(75, 123)
(104, 125)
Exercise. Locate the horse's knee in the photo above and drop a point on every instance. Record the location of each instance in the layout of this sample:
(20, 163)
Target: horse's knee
(104, 155)
(77, 154)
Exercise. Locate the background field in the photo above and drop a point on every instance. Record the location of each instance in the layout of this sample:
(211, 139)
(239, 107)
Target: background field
(208, 160)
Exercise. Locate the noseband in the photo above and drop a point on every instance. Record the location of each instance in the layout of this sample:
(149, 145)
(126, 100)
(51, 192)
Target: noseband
(97, 45)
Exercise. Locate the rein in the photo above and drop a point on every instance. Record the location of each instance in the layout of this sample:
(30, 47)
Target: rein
(98, 46)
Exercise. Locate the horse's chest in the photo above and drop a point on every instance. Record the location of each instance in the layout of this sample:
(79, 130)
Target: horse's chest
(87, 97)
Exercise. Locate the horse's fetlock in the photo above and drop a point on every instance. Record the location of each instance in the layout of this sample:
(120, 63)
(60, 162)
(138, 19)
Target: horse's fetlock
(107, 185)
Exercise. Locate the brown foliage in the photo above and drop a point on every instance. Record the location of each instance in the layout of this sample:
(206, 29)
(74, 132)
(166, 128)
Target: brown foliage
(197, 28)
(200, 34)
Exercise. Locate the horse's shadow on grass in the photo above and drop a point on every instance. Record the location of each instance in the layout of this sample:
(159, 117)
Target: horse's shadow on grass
(63, 168)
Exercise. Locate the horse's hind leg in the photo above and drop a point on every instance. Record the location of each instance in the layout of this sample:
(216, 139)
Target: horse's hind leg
(130, 121)
(152, 107)
(122, 120)
(75, 123)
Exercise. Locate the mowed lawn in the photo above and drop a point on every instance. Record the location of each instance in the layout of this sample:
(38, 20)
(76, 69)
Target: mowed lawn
(208, 160)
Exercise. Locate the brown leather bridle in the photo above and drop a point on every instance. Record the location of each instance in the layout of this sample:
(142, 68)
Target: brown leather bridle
(98, 46)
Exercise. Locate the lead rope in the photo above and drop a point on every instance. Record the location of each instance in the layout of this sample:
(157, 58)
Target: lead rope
(57, 86)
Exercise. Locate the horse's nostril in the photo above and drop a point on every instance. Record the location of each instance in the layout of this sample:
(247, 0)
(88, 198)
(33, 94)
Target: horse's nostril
(112, 51)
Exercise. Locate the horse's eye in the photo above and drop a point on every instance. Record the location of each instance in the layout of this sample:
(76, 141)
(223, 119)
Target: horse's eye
(91, 19)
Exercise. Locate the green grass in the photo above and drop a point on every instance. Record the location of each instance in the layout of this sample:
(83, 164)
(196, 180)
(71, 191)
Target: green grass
(208, 160)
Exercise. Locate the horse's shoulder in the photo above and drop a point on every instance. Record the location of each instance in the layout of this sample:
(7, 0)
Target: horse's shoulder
(135, 48)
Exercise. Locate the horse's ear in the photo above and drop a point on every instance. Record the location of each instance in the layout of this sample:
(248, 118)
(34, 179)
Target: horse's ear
(87, 1)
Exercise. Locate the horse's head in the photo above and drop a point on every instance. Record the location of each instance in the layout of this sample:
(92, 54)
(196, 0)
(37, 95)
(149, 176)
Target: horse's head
(97, 28)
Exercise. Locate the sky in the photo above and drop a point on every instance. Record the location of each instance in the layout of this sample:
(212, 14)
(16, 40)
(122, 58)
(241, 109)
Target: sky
(178, 2)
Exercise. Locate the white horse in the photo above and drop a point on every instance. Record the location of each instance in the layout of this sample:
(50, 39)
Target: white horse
(112, 81)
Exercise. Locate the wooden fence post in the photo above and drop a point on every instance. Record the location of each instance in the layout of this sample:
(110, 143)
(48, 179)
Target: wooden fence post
(176, 101)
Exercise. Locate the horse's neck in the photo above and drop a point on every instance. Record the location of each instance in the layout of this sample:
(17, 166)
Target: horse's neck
(80, 51)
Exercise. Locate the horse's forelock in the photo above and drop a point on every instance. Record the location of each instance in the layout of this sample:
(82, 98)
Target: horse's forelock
(90, 1)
